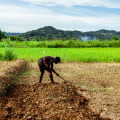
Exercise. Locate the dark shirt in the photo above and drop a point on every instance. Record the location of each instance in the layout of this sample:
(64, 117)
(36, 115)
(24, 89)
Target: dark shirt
(49, 61)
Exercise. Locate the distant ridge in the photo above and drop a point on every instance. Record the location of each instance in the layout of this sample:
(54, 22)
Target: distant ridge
(50, 33)
(11, 34)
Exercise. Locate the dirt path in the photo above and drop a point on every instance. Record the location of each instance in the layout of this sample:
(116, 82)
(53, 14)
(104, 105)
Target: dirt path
(30, 100)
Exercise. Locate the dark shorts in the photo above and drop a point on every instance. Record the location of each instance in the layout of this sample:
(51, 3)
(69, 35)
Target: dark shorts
(40, 64)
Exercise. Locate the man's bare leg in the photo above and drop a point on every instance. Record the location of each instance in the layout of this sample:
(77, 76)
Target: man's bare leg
(51, 76)
(41, 76)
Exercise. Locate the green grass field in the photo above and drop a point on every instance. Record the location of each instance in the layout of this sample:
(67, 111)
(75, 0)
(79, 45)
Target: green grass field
(70, 54)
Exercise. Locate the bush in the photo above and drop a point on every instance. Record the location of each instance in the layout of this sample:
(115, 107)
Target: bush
(60, 44)
(1, 56)
(9, 55)
(2, 44)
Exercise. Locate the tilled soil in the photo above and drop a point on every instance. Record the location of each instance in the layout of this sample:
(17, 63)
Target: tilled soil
(30, 100)
(45, 101)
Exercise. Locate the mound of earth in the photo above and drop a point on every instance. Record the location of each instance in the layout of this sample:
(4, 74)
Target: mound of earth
(8, 75)
(46, 102)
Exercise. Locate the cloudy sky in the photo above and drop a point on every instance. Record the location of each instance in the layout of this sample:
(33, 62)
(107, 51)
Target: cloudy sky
(83, 15)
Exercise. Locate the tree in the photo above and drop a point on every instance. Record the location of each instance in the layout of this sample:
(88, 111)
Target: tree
(2, 35)
(115, 38)
(14, 38)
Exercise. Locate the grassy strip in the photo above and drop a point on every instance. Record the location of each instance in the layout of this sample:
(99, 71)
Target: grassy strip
(70, 54)
(61, 44)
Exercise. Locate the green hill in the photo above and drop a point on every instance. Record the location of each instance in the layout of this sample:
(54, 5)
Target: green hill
(50, 33)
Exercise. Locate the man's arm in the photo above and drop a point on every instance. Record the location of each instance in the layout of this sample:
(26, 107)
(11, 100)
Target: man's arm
(54, 70)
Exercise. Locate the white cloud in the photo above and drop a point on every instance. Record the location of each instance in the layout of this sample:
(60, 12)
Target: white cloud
(20, 19)
(94, 3)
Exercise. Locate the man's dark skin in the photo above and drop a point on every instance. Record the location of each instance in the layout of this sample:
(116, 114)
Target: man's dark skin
(46, 63)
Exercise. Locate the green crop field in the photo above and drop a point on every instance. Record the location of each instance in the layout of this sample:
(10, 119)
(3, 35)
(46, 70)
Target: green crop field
(69, 54)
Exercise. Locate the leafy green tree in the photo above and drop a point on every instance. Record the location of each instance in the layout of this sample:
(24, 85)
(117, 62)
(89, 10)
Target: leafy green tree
(115, 38)
(2, 35)
(14, 38)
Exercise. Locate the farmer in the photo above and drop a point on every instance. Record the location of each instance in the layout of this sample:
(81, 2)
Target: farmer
(46, 63)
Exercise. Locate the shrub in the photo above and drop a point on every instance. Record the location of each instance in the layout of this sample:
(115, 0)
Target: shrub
(1, 44)
(1, 56)
(60, 44)
(9, 55)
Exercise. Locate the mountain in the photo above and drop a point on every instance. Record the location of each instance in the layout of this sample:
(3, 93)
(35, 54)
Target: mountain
(103, 34)
(50, 33)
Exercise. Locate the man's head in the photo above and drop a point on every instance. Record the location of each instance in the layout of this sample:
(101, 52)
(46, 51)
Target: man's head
(57, 60)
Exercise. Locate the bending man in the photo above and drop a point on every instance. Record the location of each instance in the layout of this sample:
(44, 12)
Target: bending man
(46, 63)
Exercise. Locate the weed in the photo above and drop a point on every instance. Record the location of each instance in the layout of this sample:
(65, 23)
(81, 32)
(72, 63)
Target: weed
(78, 84)
(92, 89)
(107, 92)
(49, 98)
(46, 90)
(63, 98)
(109, 104)
(116, 107)
(38, 73)
(14, 79)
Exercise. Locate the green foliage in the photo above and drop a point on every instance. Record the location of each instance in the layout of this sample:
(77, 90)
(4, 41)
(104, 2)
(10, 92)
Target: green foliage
(7, 42)
(9, 54)
(14, 38)
(2, 44)
(1, 56)
(2, 35)
(115, 38)
(59, 44)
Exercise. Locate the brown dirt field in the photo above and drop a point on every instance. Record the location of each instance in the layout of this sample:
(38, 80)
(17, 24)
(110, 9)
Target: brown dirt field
(46, 102)
(98, 81)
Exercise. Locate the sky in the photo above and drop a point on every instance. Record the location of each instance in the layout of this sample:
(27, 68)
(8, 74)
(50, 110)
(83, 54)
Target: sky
(82, 15)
